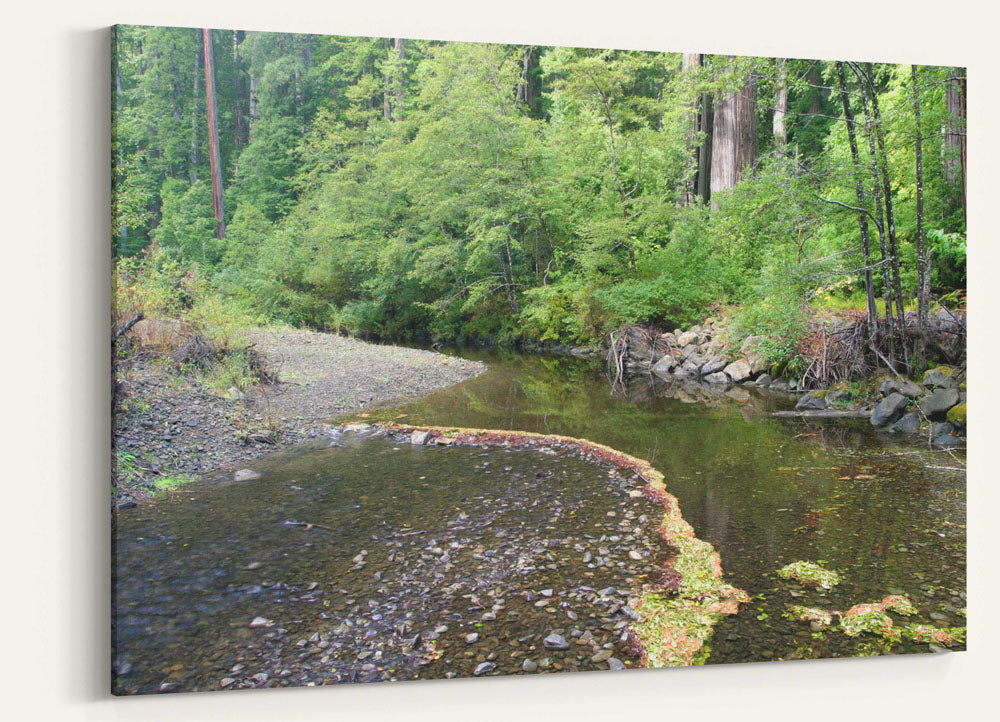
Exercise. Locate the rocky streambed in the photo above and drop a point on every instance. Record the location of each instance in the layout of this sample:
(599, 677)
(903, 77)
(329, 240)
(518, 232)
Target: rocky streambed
(385, 558)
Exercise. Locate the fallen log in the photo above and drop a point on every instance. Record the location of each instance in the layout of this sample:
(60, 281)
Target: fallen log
(859, 414)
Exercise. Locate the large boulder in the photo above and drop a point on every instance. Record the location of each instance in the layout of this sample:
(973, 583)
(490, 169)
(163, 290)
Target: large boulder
(943, 377)
(690, 350)
(714, 365)
(753, 351)
(895, 386)
(667, 339)
(686, 337)
(738, 371)
(935, 405)
(640, 347)
(812, 401)
(908, 424)
(888, 410)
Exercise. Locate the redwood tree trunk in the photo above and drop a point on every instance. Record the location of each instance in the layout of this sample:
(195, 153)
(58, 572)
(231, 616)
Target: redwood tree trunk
(954, 137)
(734, 140)
(213, 135)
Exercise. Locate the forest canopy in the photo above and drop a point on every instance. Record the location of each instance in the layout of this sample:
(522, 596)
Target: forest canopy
(412, 189)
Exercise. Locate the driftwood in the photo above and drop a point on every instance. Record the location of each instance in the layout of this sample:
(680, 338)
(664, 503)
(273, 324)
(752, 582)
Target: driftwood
(826, 414)
(125, 329)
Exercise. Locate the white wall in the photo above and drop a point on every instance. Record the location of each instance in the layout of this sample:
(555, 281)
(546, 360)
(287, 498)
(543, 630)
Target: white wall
(54, 231)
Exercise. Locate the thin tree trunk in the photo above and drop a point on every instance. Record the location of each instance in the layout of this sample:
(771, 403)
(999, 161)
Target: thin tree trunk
(120, 156)
(859, 194)
(387, 81)
(400, 79)
(780, 104)
(215, 159)
(923, 261)
(887, 192)
(239, 83)
(690, 62)
(705, 149)
(877, 196)
(254, 113)
(523, 83)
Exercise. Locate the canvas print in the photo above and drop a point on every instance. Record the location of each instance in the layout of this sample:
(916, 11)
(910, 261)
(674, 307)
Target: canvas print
(440, 360)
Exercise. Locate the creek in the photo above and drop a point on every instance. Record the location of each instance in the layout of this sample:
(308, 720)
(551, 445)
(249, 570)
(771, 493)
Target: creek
(454, 561)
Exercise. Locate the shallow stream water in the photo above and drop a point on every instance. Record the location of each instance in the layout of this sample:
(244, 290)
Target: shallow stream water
(219, 585)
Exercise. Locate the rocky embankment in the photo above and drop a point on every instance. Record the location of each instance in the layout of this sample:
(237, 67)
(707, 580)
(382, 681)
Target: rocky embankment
(701, 356)
(167, 423)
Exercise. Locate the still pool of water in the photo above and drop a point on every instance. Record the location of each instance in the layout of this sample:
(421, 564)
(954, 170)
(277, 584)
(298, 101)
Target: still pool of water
(195, 569)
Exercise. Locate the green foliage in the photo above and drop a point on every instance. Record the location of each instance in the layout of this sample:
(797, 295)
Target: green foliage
(397, 197)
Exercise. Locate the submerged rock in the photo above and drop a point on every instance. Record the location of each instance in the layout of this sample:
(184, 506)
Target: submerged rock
(556, 641)
(812, 401)
(908, 424)
(246, 475)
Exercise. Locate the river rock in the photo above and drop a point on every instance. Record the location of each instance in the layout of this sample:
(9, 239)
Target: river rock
(812, 401)
(940, 428)
(250, 474)
(529, 665)
(763, 380)
(484, 668)
(668, 339)
(942, 377)
(738, 371)
(615, 664)
(948, 440)
(690, 350)
(908, 424)
(419, 438)
(935, 405)
(717, 378)
(472, 638)
(888, 410)
(753, 351)
(556, 641)
(906, 388)
(714, 365)
(664, 366)
(686, 338)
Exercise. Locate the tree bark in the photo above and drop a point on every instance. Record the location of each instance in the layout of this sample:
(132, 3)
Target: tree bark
(387, 90)
(923, 261)
(877, 196)
(859, 194)
(690, 62)
(400, 79)
(239, 83)
(195, 157)
(215, 159)
(954, 137)
(734, 141)
(890, 216)
(780, 104)
(524, 84)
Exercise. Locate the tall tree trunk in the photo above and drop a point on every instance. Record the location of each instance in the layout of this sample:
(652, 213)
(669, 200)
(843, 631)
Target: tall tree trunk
(890, 217)
(116, 135)
(703, 186)
(215, 159)
(195, 157)
(690, 62)
(400, 79)
(524, 83)
(734, 140)
(954, 134)
(859, 194)
(877, 196)
(387, 91)
(239, 83)
(780, 103)
(923, 260)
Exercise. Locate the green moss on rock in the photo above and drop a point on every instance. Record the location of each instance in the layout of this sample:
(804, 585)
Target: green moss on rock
(956, 414)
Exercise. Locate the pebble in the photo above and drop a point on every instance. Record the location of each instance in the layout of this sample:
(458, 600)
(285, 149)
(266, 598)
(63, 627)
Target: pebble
(471, 638)
(484, 668)
(556, 641)
(615, 664)
(529, 665)
(226, 681)
(259, 622)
